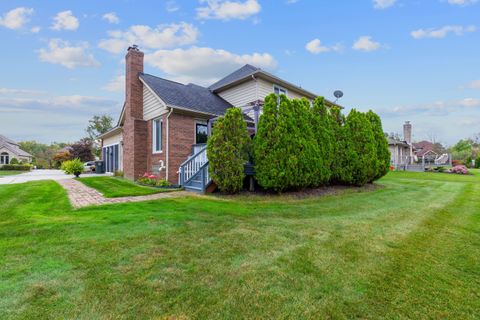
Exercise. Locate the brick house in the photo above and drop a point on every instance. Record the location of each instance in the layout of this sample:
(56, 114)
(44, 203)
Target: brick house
(164, 125)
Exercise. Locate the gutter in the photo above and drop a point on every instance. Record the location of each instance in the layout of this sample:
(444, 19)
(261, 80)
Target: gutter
(167, 148)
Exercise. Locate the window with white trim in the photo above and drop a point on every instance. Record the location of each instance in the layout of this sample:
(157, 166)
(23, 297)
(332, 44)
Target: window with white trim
(157, 135)
(279, 90)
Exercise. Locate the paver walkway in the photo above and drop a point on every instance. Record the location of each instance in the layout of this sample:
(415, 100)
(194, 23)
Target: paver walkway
(81, 196)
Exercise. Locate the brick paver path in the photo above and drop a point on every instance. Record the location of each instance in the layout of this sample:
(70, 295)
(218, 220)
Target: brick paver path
(81, 196)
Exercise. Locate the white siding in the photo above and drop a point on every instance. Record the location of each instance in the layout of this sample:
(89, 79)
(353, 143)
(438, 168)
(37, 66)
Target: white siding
(241, 94)
(250, 91)
(152, 106)
(117, 138)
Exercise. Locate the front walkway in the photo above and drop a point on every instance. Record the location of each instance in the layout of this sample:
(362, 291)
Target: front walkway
(81, 196)
(40, 174)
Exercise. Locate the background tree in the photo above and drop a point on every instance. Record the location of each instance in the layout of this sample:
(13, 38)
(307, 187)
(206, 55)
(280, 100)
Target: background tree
(228, 150)
(42, 153)
(98, 125)
(62, 156)
(382, 158)
(82, 150)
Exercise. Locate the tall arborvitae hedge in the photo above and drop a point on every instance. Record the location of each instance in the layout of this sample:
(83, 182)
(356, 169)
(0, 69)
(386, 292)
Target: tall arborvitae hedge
(361, 153)
(300, 145)
(381, 144)
(341, 144)
(323, 128)
(227, 151)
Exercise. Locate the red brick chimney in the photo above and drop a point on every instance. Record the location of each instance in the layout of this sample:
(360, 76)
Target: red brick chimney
(135, 128)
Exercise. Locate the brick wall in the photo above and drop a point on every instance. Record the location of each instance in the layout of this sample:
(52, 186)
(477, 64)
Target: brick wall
(135, 128)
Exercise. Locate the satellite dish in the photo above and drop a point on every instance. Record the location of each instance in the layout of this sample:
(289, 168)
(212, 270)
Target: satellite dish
(338, 94)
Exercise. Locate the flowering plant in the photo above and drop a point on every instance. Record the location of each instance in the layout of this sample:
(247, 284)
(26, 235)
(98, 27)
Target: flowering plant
(152, 180)
(459, 170)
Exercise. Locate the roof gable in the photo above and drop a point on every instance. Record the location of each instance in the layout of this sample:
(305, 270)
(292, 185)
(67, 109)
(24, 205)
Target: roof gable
(191, 97)
(243, 72)
(13, 146)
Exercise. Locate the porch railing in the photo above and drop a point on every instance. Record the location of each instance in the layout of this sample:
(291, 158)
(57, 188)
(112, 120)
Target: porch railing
(192, 166)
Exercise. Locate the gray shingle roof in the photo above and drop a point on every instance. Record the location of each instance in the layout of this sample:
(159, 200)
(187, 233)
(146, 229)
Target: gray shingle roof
(12, 146)
(190, 96)
(239, 74)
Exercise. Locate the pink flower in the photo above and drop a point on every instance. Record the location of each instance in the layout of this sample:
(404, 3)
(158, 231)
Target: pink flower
(146, 175)
(152, 177)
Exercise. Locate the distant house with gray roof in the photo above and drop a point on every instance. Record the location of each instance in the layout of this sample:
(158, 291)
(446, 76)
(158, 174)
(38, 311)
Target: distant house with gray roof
(9, 150)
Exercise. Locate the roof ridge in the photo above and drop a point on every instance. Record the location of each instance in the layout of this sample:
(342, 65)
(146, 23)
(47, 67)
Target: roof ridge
(164, 79)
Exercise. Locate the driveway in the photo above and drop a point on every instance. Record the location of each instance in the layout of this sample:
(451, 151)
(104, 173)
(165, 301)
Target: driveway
(39, 174)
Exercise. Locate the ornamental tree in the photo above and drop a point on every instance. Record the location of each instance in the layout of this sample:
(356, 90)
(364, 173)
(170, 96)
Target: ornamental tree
(228, 150)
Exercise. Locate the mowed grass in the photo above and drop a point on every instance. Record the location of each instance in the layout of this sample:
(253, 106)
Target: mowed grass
(4, 173)
(112, 187)
(410, 249)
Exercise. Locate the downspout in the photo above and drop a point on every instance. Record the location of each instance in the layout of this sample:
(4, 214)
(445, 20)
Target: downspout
(255, 108)
(167, 148)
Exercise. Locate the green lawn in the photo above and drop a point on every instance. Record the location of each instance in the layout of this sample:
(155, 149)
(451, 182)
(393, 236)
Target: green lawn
(112, 187)
(4, 173)
(410, 249)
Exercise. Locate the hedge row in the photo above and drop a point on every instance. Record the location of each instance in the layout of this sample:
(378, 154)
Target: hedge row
(299, 145)
(16, 167)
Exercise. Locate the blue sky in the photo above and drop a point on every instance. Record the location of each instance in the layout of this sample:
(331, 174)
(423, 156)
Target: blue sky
(62, 61)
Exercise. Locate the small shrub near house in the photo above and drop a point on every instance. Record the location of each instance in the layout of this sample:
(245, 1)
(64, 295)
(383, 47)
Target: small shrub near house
(14, 161)
(150, 179)
(228, 150)
(74, 167)
(16, 167)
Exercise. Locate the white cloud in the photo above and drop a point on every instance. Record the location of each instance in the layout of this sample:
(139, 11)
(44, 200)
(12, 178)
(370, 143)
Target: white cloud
(161, 37)
(16, 18)
(383, 4)
(35, 29)
(204, 66)
(61, 52)
(117, 84)
(474, 84)
(440, 108)
(462, 2)
(111, 17)
(365, 43)
(441, 32)
(10, 91)
(315, 46)
(50, 117)
(228, 10)
(291, 1)
(171, 6)
(65, 20)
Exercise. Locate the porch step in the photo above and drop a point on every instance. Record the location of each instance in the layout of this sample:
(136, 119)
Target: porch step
(193, 189)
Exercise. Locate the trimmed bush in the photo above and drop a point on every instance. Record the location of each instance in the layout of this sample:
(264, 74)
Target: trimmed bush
(16, 167)
(228, 150)
(339, 167)
(14, 161)
(322, 126)
(382, 164)
(361, 152)
(74, 167)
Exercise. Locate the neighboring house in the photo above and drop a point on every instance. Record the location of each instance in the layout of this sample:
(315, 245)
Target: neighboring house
(9, 150)
(424, 148)
(402, 151)
(164, 125)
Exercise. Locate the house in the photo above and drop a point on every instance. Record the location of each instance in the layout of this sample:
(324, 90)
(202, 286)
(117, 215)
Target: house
(9, 150)
(164, 125)
(424, 148)
(401, 150)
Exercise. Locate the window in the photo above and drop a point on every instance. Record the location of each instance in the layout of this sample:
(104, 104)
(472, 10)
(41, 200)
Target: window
(201, 133)
(279, 90)
(157, 135)
(4, 158)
